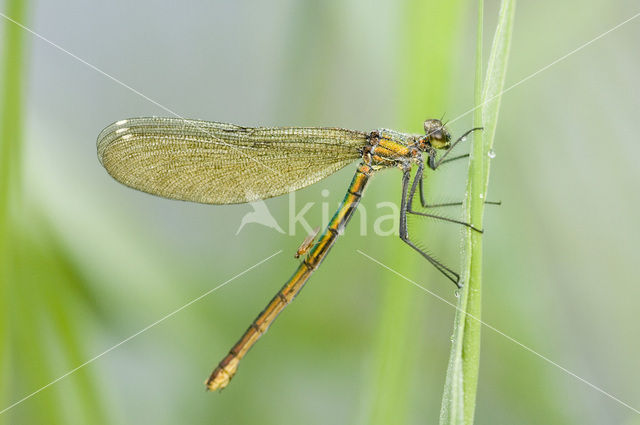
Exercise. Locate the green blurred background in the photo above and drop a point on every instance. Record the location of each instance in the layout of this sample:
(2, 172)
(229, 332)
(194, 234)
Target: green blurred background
(86, 262)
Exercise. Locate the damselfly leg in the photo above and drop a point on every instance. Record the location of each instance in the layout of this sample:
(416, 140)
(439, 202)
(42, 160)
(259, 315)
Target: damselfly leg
(404, 233)
(421, 189)
(435, 164)
(406, 206)
(409, 203)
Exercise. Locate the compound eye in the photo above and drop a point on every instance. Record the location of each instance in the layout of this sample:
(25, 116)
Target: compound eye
(433, 128)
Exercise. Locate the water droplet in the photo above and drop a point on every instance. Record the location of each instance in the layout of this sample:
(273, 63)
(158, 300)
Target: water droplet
(464, 139)
(491, 154)
(457, 293)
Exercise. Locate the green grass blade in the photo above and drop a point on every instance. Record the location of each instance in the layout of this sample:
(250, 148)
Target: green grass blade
(494, 80)
(458, 403)
(456, 400)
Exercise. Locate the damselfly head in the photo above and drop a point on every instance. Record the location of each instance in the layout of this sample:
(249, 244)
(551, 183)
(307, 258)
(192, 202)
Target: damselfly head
(436, 134)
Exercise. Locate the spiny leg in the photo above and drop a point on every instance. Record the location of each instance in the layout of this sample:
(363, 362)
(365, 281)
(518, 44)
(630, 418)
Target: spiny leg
(433, 164)
(418, 181)
(424, 203)
(422, 200)
(455, 158)
(454, 204)
(404, 233)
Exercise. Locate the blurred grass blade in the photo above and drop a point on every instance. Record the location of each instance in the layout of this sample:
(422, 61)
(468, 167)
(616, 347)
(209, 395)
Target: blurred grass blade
(43, 339)
(423, 93)
(458, 402)
(10, 135)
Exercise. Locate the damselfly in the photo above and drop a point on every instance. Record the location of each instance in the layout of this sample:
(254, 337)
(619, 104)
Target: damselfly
(216, 163)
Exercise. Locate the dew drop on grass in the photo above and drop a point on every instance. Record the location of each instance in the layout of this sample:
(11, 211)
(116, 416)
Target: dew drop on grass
(491, 154)
(457, 293)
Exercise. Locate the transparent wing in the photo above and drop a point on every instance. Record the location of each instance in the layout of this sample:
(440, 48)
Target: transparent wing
(216, 163)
